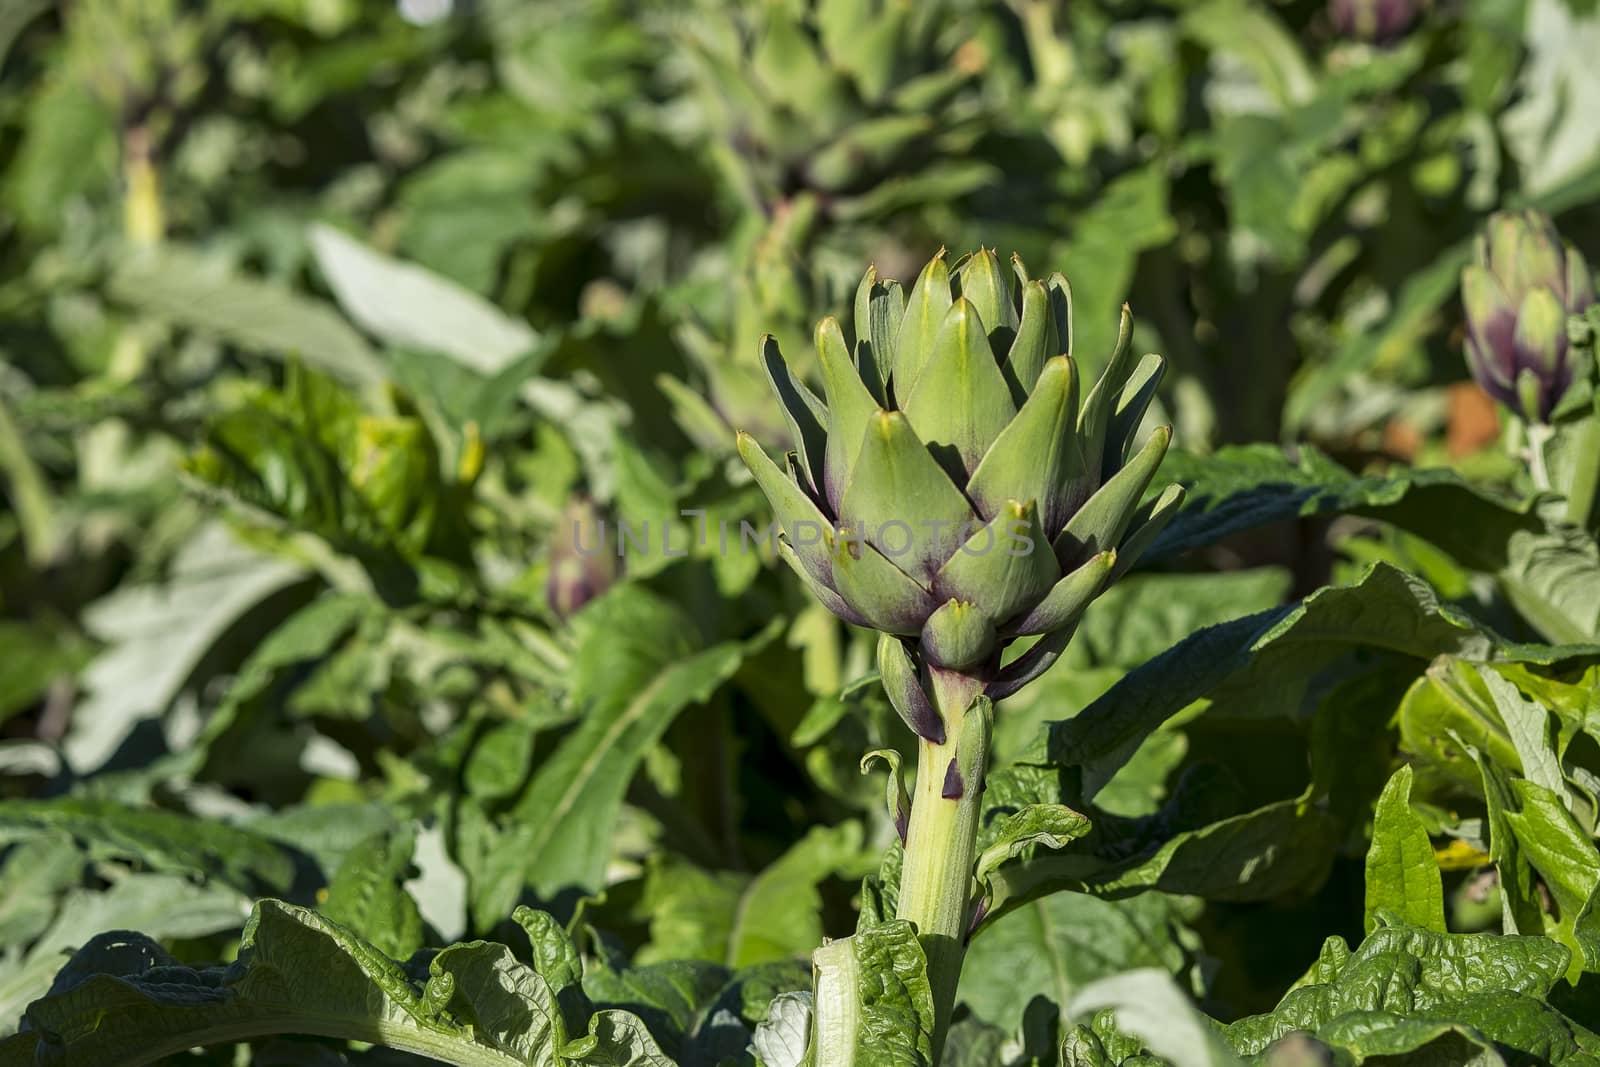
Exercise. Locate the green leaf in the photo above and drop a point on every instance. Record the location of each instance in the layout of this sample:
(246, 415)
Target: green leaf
(1402, 875)
(34, 874)
(368, 896)
(183, 287)
(504, 1004)
(1550, 840)
(1244, 486)
(35, 658)
(1280, 848)
(163, 905)
(670, 997)
(156, 633)
(633, 673)
(736, 920)
(312, 455)
(873, 1002)
(616, 1039)
(162, 840)
(1553, 578)
(123, 1000)
(1060, 943)
(1261, 665)
(1131, 214)
(1050, 826)
(1405, 988)
(1528, 725)
(1149, 1005)
(409, 306)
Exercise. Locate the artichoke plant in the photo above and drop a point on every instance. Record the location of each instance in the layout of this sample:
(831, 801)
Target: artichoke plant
(955, 492)
(864, 105)
(1519, 290)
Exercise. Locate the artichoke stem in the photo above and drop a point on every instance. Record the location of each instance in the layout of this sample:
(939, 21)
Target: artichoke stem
(936, 881)
(1539, 435)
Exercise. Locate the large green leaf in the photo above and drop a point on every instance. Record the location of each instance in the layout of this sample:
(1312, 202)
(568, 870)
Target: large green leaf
(873, 1001)
(635, 669)
(408, 306)
(366, 895)
(161, 905)
(1058, 944)
(122, 1001)
(184, 287)
(1550, 572)
(739, 920)
(1262, 665)
(162, 840)
(1245, 486)
(1405, 989)
(157, 632)
(1402, 875)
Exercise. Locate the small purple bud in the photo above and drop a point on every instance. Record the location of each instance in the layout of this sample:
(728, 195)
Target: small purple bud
(953, 786)
(1376, 21)
(902, 823)
(583, 558)
(978, 914)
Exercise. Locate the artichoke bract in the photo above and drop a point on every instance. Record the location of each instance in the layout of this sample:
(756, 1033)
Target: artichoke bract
(1519, 290)
(954, 489)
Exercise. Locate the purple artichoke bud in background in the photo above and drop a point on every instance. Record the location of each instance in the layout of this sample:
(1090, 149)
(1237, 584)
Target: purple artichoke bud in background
(1377, 21)
(583, 558)
(1518, 291)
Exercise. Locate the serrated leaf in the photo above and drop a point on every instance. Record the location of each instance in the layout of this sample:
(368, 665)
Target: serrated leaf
(1402, 876)
(368, 896)
(299, 973)
(873, 1001)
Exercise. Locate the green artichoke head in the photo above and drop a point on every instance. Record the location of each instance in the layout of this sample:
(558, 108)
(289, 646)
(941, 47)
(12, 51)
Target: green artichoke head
(954, 489)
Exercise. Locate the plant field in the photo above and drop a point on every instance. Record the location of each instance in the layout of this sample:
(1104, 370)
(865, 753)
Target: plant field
(799, 533)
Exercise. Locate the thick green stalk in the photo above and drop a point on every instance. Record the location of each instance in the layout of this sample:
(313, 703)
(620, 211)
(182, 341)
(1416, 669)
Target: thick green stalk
(941, 841)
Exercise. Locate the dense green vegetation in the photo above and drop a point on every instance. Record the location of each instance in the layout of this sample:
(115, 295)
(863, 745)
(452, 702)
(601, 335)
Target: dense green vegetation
(400, 661)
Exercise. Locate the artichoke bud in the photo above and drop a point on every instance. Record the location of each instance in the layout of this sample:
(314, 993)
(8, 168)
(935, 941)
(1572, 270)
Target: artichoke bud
(1518, 292)
(951, 489)
(583, 558)
(1376, 21)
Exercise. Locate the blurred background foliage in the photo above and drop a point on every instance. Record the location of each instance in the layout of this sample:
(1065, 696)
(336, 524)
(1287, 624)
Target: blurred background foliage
(321, 320)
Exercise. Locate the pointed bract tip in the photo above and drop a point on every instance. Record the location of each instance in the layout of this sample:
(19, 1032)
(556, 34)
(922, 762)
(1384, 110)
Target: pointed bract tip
(953, 785)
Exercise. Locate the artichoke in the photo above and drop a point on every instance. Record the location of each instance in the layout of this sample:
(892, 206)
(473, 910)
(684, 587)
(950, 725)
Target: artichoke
(1518, 291)
(951, 491)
